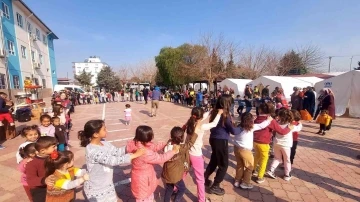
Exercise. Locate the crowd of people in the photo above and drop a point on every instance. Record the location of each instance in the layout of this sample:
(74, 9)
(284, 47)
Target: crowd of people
(46, 161)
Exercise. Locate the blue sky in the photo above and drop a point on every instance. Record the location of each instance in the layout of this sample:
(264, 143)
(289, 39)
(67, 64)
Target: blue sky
(125, 32)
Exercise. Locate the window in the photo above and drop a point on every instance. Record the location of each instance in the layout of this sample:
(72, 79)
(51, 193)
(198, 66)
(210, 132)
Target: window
(19, 20)
(2, 81)
(33, 55)
(43, 83)
(29, 28)
(5, 10)
(11, 47)
(44, 39)
(23, 52)
(38, 34)
(16, 81)
(40, 58)
(36, 81)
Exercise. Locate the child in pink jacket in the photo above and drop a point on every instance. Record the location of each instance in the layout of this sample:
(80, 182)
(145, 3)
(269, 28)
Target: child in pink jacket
(143, 175)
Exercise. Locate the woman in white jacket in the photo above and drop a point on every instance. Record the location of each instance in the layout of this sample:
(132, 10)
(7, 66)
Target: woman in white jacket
(283, 144)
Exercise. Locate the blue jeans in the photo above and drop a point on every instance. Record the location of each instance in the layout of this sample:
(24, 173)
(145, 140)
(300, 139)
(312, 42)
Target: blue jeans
(248, 109)
(169, 189)
(61, 147)
(198, 103)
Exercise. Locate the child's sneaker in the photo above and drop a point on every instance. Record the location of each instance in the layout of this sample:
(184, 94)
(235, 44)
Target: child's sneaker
(319, 132)
(237, 184)
(287, 177)
(246, 186)
(260, 180)
(271, 174)
(323, 133)
(255, 173)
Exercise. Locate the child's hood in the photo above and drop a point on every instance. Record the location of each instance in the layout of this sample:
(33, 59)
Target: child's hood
(132, 146)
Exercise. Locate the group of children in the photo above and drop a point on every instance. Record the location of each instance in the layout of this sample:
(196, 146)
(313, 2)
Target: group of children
(49, 175)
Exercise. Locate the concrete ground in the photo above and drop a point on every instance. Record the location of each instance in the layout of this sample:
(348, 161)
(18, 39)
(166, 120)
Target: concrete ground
(325, 168)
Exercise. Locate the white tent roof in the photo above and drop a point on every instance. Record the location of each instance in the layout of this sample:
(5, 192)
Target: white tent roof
(238, 85)
(286, 83)
(346, 89)
(311, 79)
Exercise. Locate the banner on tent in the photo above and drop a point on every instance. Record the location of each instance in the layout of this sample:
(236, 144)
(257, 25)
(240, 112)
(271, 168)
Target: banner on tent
(328, 84)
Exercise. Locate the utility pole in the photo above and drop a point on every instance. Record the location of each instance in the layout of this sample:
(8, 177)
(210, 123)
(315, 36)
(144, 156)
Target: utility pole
(330, 63)
(351, 61)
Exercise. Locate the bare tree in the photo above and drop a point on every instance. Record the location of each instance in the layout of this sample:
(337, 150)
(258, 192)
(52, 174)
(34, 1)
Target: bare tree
(123, 74)
(218, 50)
(144, 71)
(312, 57)
(260, 61)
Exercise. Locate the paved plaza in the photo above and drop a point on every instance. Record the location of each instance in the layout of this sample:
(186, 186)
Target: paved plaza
(325, 167)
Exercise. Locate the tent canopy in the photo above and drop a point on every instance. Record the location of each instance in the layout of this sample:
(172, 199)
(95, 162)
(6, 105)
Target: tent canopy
(286, 83)
(346, 89)
(238, 85)
(311, 79)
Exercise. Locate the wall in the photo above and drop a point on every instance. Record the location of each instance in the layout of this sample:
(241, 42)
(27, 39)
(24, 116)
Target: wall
(38, 46)
(10, 34)
(94, 68)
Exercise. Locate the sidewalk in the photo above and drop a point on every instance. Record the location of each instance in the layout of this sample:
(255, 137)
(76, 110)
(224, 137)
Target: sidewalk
(325, 168)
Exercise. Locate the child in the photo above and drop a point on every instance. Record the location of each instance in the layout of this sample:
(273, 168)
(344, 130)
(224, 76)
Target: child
(324, 119)
(173, 169)
(58, 111)
(283, 144)
(196, 124)
(241, 104)
(5, 113)
(278, 104)
(60, 131)
(257, 102)
(263, 138)
(27, 153)
(96, 98)
(248, 104)
(60, 165)
(101, 156)
(35, 169)
(127, 114)
(46, 129)
(243, 150)
(143, 175)
(31, 134)
(297, 118)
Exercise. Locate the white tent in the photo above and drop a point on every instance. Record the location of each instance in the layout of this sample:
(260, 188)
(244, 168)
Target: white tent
(311, 79)
(238, 85)
(346, 89)
(286, 83)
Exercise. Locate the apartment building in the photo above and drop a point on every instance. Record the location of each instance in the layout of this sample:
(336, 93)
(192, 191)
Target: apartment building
(92, 65)
(27, 49)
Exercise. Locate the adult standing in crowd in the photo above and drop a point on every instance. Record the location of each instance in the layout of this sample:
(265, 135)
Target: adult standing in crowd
(248, 92)
(145, 94)
(281, 96)
(296, 100)
(155, 98)
(309, 101)
(265, 92)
